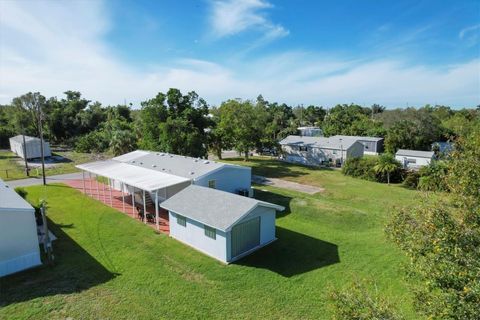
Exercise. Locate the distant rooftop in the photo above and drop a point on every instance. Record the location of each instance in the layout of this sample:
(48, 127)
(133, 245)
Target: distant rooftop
(215, 208)
(10, 200)
(183, 166)
(19, 138)
(415, 153)
(319, 142)
(360, 138)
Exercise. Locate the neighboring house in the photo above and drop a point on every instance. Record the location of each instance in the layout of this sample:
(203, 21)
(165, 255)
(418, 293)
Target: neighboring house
(222, 225)
(32, 147)
(444, 147)
(162, 175)
(319, 150)
(372, 145)
(19, 247)
(414, 159)
(310, 131)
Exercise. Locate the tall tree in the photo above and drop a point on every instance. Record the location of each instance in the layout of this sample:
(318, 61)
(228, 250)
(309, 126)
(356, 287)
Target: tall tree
(30, 110)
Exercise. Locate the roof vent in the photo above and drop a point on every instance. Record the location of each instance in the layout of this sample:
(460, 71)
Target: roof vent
(133, 161)
(141, 162)
(195, 160)
(206, 162)
(154, 165)
(158, 154)
(191, 172)
(162, 154)
(163, 169)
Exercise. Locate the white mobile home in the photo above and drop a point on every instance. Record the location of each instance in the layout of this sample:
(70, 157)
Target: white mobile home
(32, 147)
(371, 145)
(19, 248)
(222, 225)
(319, 150)
(414, 159)
(310, 131)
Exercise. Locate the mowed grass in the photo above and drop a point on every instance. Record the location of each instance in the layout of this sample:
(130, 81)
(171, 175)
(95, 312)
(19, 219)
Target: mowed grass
(110, 266)
(12, 167)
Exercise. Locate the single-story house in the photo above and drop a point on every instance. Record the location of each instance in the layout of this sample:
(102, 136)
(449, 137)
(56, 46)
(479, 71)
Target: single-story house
(320, 150)
(372, 145)
(414, 159)
(310, 131)
(31, 149)
(220, 224)
(19, 247)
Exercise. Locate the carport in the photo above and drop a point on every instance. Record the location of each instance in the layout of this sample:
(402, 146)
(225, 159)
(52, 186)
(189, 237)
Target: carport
(159, 186)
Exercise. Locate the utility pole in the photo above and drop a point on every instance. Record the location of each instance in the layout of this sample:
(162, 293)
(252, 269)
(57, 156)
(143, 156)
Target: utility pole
(40, 118)
(27, 171)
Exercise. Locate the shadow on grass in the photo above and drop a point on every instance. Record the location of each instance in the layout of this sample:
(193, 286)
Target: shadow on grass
(276, 198)
(75, 270)
(293, 254)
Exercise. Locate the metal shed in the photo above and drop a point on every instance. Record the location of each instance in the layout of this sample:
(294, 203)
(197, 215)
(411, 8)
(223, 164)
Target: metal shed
(31, 149)
(19, 247)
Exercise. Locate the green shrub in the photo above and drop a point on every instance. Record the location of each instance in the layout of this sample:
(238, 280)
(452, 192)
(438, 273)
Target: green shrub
(358, 303)
(361, 168)
(411, 179)
(432, 177)
(95, 141)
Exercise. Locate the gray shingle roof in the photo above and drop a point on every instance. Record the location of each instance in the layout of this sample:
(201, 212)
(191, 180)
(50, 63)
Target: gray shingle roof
(215, 208)
(414, 153)
(319, 142)
(182, 166)
(10, 200)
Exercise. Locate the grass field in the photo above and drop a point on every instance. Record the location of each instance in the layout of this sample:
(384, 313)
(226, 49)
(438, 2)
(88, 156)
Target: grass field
(110, 266)
(11, 169)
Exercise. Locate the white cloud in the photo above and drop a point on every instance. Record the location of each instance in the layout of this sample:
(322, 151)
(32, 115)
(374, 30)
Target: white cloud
(471, 35)
(60, 47)
(235, 16)
(467, 30)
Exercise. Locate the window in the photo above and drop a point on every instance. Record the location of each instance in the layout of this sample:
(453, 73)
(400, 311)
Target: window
(334, 151)
(212, 184)
(181, 220)
(303, 148)
(410, 160)
(210, 232)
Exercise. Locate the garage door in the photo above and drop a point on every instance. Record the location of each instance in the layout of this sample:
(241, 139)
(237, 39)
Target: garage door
(245, 236)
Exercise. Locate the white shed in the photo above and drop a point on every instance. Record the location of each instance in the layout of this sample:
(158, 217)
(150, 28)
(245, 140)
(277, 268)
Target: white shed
(414, 159)
(19, 248)
(33, 147)
(220, 224)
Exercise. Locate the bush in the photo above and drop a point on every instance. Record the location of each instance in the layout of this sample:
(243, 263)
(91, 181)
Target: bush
(95, 141)
(432, 177)
(411, 179)
(361, 168)
(358, 303)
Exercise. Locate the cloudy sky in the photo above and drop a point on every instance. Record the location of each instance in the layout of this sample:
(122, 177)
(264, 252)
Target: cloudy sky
(395, 53)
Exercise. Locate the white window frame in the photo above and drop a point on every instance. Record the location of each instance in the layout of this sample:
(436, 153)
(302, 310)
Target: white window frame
(212, 182)
(183, 219)
(209, 231)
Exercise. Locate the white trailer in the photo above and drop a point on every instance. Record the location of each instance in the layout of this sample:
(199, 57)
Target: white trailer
(32, 147)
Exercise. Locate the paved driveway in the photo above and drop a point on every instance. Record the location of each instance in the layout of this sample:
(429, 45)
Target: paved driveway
(280, 183)
(37, 181)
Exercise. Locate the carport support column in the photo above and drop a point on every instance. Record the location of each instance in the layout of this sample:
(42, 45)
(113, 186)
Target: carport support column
(133, 201)
(111, 197)
(156, 210)
(123, 198)
(144, 208)
(90, 178)
(104, 192)
(83, 179)
(98, 187)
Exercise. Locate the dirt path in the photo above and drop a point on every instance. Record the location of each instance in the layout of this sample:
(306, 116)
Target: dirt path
(280, 183)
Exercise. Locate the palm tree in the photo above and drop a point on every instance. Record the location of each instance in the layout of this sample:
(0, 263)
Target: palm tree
(386, 165)
(122, 141)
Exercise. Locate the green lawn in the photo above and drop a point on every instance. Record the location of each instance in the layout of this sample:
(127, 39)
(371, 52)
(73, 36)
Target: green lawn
(11, 169)
(111, 267)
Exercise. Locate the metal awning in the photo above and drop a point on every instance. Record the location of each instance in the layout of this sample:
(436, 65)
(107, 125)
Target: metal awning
(138, 177)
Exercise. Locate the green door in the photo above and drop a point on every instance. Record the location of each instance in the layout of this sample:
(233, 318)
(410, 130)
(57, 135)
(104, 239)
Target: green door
(245, 236)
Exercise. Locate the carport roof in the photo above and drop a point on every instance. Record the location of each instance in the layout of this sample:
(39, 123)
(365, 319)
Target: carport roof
(142, 178)
(214, 208)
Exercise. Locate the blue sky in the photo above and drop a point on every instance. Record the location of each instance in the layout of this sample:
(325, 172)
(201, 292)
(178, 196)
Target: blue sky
(395, 53)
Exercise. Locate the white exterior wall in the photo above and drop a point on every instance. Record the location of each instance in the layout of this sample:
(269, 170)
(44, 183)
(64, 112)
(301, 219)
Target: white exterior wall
(420, 162)
(316, 156)
(19, 248)
(228, 179)
(193, 234)
(33, 149)
(267, 228)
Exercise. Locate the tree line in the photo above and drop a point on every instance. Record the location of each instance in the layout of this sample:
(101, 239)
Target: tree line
(186, 124)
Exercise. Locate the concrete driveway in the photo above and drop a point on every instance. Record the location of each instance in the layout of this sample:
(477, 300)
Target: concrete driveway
(37, 181)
